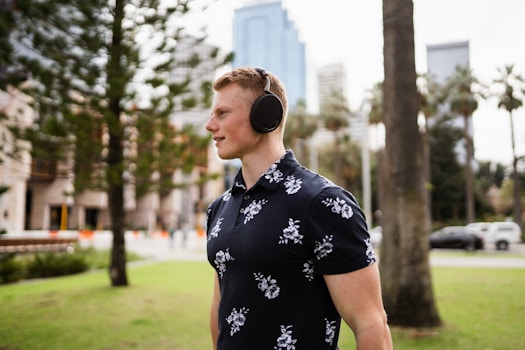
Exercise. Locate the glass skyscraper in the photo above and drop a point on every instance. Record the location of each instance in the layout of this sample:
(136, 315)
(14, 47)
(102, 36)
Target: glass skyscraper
(263, 36)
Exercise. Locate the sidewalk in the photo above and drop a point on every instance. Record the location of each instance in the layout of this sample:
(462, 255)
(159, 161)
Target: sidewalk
(159, 247)
(156, 246)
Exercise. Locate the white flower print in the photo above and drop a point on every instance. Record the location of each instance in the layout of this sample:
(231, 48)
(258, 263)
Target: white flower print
(330, 331)
(221, 258)
(285, 340)
(227, 195)
(291, 233)
(240, 185)
(273, 174)
(237, 319)
(216, 229)
(268, 285)
(309, 270)
(292, 184)
(253, 209)
(339, 206)
(370, 254)
(322, 249)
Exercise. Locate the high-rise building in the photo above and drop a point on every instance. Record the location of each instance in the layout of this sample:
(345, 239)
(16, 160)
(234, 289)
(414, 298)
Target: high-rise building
(263, 36)
(331, 78)
(442, 59)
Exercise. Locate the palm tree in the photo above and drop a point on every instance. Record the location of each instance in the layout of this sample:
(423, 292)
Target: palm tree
(376, 114)
(430, 98)
(300, 126)
(335, 114)
(405, 270)
(463, 101)
(508, 100)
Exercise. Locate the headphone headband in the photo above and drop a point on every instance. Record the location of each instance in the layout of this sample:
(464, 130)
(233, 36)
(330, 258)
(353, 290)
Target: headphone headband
(265, 75)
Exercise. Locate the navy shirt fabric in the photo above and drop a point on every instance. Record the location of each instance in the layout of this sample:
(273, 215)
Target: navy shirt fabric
(271, 245)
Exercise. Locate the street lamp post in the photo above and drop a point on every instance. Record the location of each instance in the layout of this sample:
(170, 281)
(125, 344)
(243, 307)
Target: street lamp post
(68, 202)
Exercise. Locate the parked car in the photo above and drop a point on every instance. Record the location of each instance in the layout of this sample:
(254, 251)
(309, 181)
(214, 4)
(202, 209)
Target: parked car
(500, 234)
(457, 237)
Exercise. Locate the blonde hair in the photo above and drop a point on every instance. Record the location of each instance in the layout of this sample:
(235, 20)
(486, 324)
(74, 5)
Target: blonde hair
(250, 79)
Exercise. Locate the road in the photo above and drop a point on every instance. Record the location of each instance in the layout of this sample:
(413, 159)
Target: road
(193, 247)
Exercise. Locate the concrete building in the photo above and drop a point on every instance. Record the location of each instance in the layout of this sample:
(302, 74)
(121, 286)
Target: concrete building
(442, 59)
(331, 78)
(263, 36)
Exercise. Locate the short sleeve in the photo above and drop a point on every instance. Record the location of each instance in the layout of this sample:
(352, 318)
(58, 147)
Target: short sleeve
(338, 233)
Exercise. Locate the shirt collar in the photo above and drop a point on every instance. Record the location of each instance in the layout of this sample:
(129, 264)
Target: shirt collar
(272, 177)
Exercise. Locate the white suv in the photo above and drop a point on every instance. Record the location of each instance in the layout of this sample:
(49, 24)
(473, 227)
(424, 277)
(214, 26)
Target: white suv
(501, 233)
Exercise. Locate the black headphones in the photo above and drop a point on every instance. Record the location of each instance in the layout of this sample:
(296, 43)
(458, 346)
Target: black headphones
(267, 110)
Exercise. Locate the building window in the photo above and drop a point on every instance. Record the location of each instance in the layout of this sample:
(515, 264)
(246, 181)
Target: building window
(92, 217)
(43, 169)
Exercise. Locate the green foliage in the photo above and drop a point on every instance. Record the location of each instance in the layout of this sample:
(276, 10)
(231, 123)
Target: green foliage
(350, 169)
(11, 269)
(3, 189)
(375, 100)
(335, 111)
(513, 88)
(448, 184)
(299, 124)
(461, 93)
(15, 267)
(92, 61)
(430, 95)
(51, 264)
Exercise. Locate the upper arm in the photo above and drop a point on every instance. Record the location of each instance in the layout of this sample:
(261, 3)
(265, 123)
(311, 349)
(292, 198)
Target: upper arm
(214, 312)
(357, 297)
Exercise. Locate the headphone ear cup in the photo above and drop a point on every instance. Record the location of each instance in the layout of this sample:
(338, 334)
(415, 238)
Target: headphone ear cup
(266, 113)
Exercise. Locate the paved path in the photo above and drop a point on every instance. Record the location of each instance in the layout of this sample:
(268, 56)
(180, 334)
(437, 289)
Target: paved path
(193, 248)
(156, 246)
(474, 261)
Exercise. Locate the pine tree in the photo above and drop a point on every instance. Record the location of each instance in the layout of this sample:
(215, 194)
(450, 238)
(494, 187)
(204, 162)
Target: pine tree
(100, 73)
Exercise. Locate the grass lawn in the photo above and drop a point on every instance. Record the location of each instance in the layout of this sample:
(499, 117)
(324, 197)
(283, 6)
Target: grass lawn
(166, 307)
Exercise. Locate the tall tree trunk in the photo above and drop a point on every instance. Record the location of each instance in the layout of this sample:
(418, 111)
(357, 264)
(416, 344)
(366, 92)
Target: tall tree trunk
(468, 172)
(515, 178)
(406, 279)
(115, 182)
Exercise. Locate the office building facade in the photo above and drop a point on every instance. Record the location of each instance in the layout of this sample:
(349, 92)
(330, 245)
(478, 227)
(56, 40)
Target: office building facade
(442, 60)
(263, 36)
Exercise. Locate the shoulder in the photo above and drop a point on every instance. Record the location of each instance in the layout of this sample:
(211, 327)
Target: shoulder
(219, 201)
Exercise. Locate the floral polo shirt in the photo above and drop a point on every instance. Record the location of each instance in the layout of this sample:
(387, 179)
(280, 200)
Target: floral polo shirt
(271, 245)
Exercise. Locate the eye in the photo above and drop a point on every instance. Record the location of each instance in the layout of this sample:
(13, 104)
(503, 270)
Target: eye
(221, 114)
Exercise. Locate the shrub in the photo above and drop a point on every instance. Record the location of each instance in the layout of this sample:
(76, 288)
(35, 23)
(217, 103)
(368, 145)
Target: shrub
(50, 264)
(15, 267)
(11, 269)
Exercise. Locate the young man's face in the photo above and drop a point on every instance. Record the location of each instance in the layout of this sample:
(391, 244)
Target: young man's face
(229, 122)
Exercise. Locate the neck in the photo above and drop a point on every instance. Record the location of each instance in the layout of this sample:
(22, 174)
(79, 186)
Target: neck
(254, 165)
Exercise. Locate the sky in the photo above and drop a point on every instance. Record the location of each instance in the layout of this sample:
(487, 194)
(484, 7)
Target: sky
(351, 32)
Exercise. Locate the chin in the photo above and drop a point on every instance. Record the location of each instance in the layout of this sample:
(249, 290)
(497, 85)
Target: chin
(226, 156)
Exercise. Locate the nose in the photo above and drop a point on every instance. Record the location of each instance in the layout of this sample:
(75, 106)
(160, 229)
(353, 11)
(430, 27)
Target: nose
(210, 124)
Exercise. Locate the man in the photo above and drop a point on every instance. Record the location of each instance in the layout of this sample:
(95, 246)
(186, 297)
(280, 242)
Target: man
(291, 250)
